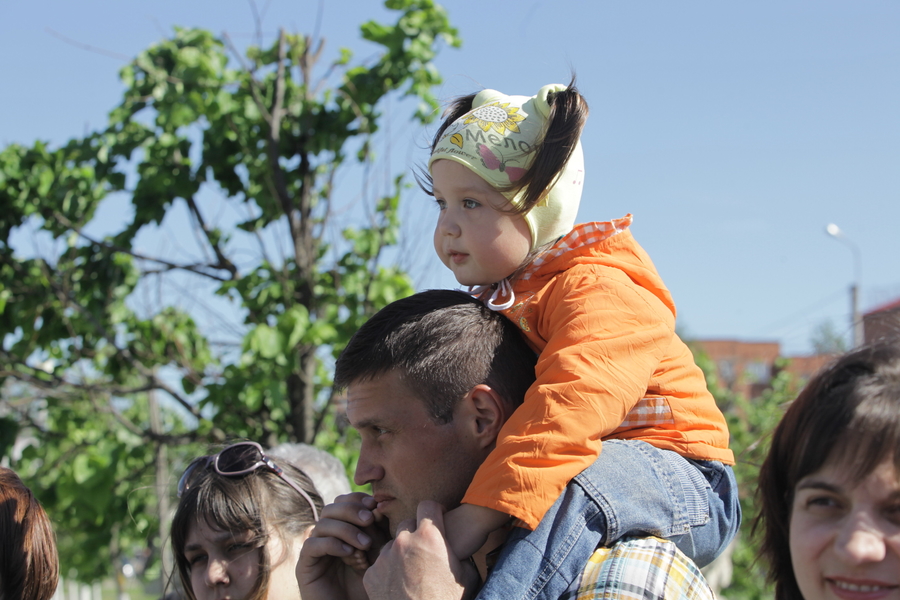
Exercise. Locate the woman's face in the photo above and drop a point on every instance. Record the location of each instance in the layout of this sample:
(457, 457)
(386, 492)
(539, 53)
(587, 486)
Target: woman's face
(225, 566)
(845, 537)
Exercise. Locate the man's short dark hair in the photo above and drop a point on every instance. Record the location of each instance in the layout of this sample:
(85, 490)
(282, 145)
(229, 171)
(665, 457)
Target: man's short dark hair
(444, 342)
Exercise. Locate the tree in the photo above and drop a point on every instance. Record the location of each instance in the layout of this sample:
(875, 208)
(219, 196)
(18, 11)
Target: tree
(751, 422)
(117, 389)
(826, 339)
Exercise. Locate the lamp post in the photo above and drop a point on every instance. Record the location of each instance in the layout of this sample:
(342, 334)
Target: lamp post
(858, 331)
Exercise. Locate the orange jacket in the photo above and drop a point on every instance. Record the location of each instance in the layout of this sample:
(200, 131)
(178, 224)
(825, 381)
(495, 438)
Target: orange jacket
(610, 366)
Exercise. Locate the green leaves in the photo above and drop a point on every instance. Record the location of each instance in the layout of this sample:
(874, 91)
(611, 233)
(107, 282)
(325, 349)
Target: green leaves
(9, 431)
(267, 342)
(750, 421)
(295, 323)
(186, 325)
(410, 46)
(60, 187)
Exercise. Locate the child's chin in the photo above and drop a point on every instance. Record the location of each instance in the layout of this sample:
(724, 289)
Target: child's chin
(463, 281)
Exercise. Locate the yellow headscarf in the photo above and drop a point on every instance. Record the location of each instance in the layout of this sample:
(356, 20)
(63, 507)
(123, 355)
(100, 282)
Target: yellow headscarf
(497, 140)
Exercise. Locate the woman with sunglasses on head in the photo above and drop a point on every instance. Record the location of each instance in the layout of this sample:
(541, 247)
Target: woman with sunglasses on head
(830, 486)
(240, 523)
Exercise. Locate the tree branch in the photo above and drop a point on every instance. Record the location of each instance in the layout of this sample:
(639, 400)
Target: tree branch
(87, 47)
(254, 84)
(224, 262)
(148, 374)
(50, 382)
(274, 136)
(169, 265)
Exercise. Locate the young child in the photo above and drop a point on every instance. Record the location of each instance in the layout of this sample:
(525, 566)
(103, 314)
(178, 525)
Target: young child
(507, 173)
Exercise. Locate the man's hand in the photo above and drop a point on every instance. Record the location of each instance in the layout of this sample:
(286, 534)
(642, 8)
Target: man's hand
(419, 565)
(333, 558)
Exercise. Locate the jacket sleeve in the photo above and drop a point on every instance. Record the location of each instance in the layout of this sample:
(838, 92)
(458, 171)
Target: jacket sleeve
(605, 337)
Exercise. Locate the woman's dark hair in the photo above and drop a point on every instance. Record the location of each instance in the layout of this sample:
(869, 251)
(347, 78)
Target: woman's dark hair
(565, 122)
(259, 502)
(29, 565)
(848, 415)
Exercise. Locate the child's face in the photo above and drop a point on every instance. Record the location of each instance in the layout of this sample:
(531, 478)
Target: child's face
(475, 237)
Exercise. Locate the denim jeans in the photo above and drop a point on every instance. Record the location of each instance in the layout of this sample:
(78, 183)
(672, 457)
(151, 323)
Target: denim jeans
(633, 488)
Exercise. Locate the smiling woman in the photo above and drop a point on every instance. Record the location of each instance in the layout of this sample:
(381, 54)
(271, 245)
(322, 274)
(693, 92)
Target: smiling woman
(240, 523)
(830, 486)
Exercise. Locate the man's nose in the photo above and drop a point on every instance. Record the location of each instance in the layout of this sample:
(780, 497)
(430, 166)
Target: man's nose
(860, 540)
(367, 470)
(216, 573)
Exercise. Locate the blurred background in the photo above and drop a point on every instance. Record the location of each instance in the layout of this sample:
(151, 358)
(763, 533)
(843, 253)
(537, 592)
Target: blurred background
(159, 292)
(734, 132)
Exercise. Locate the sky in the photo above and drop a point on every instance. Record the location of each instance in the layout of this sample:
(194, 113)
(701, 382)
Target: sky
(734, 132)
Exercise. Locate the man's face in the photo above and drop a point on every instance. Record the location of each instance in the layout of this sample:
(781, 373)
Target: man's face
(405, 455)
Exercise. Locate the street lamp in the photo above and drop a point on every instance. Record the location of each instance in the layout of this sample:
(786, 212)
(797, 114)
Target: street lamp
(858, 332)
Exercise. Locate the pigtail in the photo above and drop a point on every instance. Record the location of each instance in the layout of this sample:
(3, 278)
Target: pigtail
(454, 111)
(565, 122)
(568, 114)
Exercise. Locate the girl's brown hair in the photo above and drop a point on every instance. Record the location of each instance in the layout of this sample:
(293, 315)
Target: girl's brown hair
(848, 414)
(29, 565)
(565, 122)
(259, 502)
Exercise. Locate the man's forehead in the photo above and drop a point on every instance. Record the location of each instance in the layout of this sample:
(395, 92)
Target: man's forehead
(381, 397)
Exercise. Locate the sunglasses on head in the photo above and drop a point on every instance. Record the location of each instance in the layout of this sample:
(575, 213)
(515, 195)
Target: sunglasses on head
(237, 460)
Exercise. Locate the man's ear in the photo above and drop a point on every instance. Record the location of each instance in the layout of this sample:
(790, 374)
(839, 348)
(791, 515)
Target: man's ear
(488, 412)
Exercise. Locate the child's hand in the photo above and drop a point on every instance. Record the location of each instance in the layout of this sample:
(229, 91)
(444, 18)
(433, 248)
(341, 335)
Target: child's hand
(468, 527)
(357, 561)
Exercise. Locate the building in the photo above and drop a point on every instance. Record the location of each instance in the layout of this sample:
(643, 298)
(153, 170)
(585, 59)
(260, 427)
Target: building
(747, 368)
(882, 322)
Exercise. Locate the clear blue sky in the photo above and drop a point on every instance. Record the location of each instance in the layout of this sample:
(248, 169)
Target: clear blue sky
(733, 131)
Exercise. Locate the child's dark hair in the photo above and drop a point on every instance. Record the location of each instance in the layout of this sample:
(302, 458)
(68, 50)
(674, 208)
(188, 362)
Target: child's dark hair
(568, 114)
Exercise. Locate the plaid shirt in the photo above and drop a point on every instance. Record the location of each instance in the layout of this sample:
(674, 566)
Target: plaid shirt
(640, 569)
